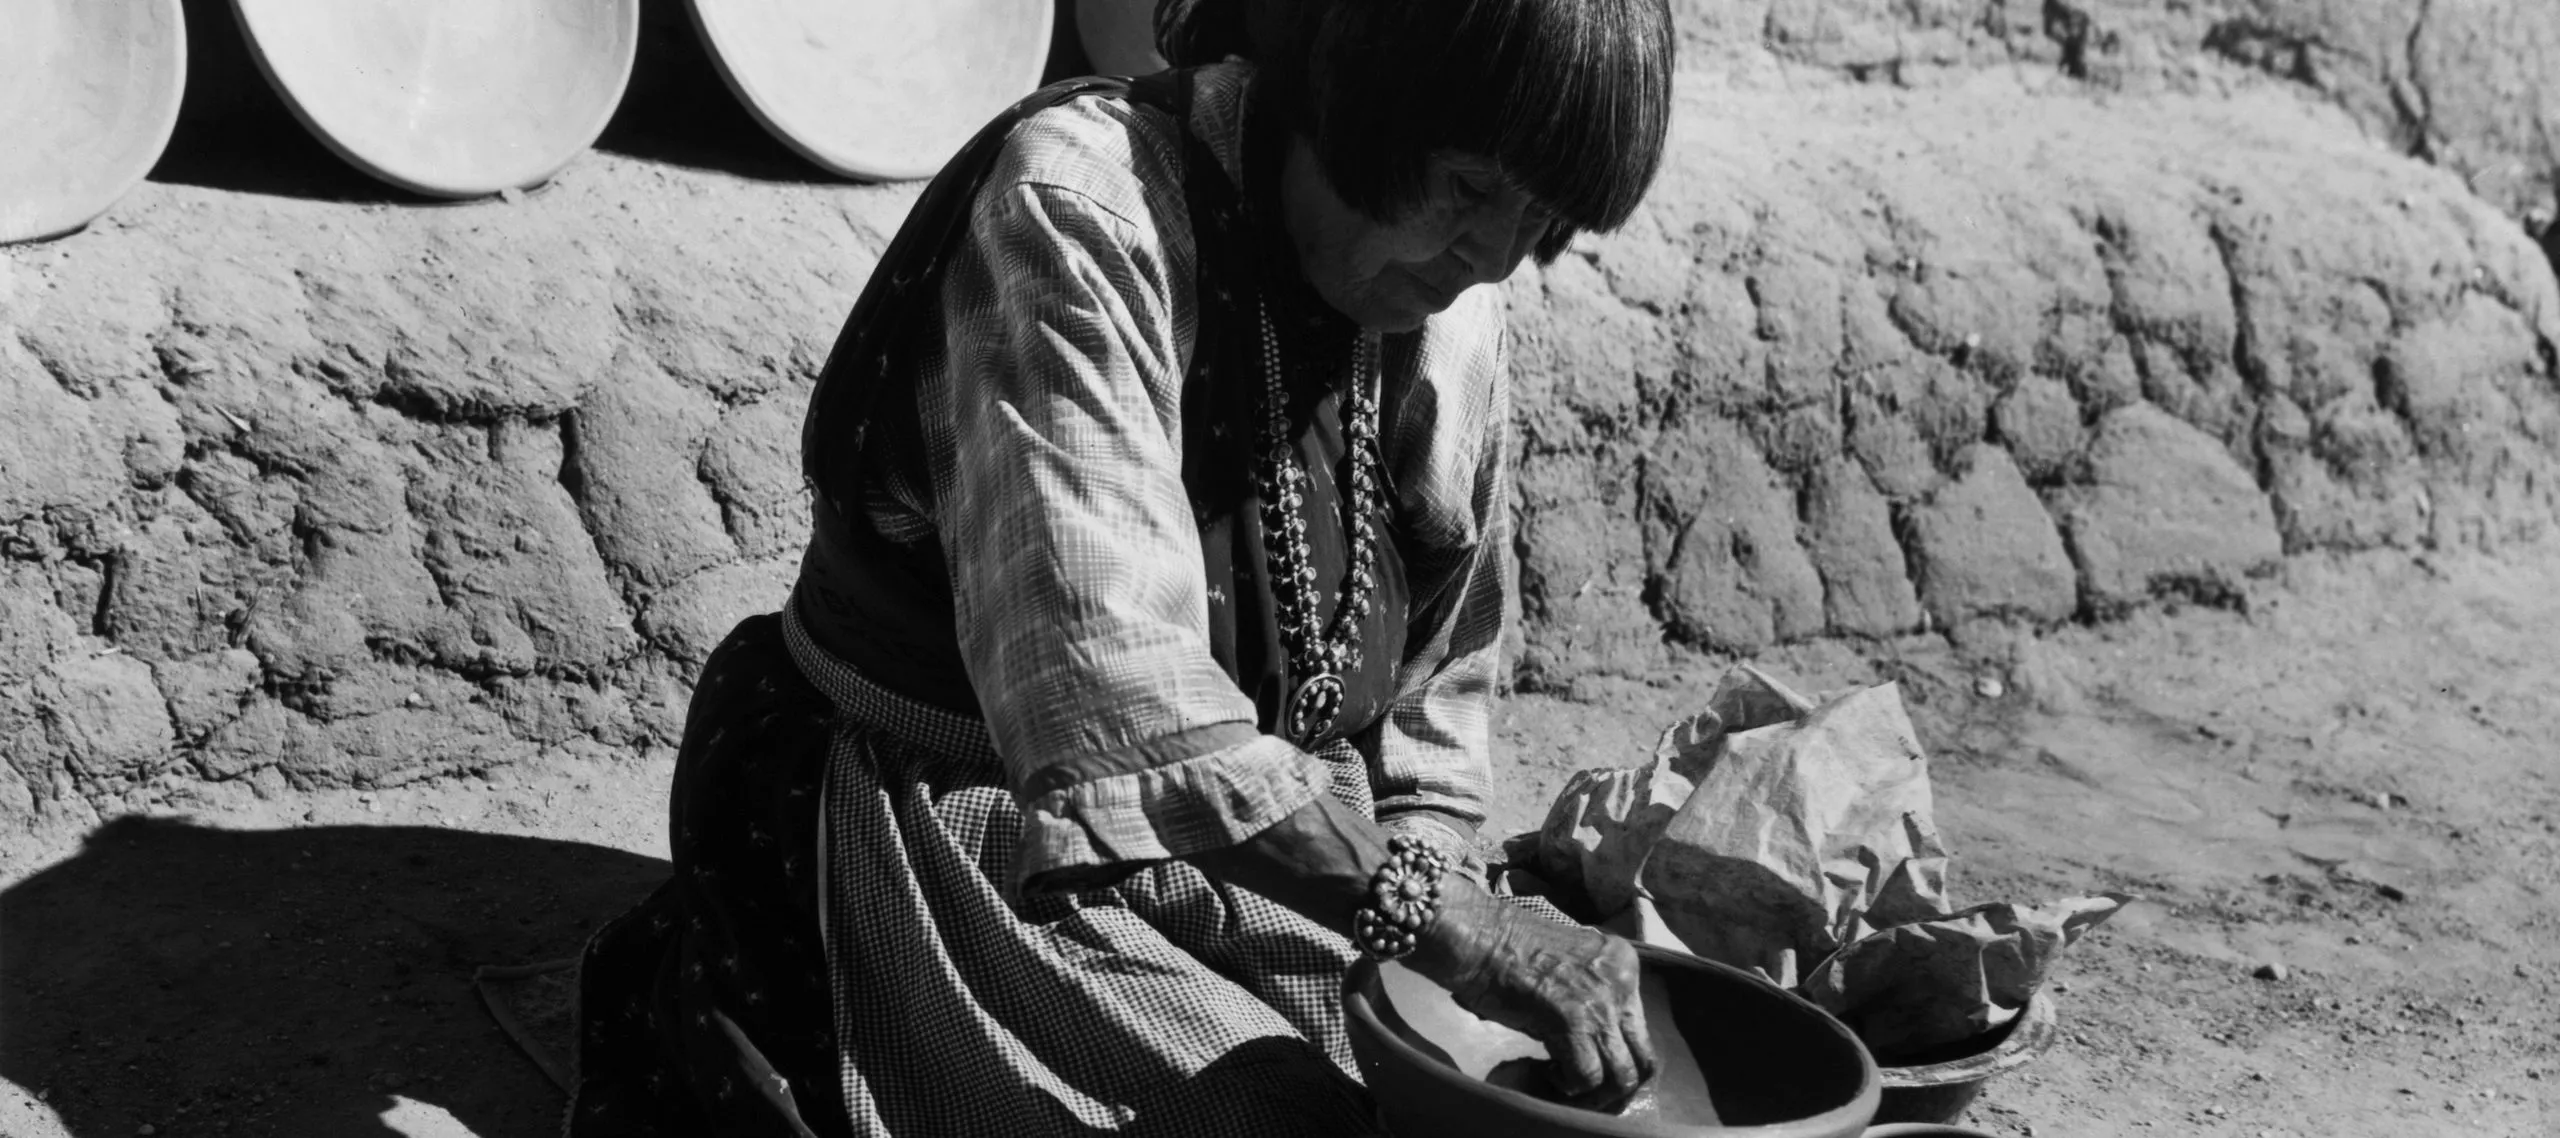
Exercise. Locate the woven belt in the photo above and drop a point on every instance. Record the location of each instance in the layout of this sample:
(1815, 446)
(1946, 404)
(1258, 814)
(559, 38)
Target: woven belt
(962, 738)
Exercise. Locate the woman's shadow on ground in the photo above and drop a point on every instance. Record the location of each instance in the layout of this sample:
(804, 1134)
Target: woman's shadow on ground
(289, 982)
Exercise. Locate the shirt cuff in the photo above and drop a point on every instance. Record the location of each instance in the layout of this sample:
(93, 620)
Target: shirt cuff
(1456, 809)
(1450, 835)
(1096, 831)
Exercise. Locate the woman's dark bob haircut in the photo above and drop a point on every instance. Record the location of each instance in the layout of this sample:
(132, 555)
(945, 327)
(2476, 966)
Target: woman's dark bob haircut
(1571, 98)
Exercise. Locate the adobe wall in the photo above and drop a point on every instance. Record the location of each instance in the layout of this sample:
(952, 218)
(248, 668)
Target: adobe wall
(308, 492)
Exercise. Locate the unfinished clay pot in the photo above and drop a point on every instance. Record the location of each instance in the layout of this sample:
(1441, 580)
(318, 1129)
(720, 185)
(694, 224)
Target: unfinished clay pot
(1938, 1088)
(92, 87)
(877, 89)
(1739, 1058)
(451, 98)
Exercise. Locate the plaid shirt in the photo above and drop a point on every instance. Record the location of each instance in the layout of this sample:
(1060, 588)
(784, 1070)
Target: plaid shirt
(1053, 444)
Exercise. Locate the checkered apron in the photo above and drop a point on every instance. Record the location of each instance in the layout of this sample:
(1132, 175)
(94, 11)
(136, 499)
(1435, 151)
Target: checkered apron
(1167, 1004)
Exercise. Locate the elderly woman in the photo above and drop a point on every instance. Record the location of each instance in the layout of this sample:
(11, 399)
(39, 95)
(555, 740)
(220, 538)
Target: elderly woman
(1137, 679)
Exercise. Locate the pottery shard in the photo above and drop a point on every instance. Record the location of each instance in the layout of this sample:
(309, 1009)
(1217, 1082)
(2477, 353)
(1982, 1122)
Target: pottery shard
(1983, 546)
(2165, 508)
(1849, 530)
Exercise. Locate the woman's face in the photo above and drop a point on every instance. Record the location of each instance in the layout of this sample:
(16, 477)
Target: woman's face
(1473, 228)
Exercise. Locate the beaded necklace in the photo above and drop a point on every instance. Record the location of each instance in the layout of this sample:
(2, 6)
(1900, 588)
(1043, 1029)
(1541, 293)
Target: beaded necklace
(1317, 662)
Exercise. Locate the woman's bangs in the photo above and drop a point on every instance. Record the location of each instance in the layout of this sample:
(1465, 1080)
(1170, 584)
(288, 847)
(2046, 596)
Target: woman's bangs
(1572, 98)
(1585, 105)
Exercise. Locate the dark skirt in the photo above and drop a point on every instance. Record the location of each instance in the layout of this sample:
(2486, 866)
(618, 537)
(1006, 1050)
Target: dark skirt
(834, 953)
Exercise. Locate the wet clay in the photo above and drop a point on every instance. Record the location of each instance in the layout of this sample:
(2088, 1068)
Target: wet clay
(1676, 1095)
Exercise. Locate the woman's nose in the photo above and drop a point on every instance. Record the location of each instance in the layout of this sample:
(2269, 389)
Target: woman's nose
(1494, 243)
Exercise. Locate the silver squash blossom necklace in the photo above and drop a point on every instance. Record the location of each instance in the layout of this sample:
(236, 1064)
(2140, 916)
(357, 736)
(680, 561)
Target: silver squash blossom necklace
(1317, 661)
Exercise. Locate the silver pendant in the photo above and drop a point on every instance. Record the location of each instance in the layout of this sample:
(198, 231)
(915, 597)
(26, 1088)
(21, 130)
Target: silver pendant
(1313, 706)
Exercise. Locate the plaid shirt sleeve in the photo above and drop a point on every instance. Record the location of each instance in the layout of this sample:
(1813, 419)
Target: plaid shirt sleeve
(1429, 757)
(1074, 554)
(1075, 557)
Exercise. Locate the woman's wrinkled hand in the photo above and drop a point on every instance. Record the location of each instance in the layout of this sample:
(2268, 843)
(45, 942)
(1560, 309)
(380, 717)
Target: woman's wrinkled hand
(1573, 988)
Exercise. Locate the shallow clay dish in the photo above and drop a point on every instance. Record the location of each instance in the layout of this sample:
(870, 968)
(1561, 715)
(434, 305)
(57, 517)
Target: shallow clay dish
(877, 89)
(452, 98)
(89, 91)
(1739, 1058)
(1938, 1088)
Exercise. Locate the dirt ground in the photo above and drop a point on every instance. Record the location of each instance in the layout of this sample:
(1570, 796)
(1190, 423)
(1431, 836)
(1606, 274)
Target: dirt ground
(2348, 772)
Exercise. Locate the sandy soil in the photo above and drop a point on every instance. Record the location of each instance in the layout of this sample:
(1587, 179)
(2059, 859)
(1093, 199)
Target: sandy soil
(2348, 772)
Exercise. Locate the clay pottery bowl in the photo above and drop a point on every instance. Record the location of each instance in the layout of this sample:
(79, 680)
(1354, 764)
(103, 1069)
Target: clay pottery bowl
(877, 89)
(1740, 1058)
(1939, 1086)
(1119, 36)
(449, 98)
(89, 91)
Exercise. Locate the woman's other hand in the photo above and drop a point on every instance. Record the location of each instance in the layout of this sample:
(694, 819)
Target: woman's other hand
(1573, 988)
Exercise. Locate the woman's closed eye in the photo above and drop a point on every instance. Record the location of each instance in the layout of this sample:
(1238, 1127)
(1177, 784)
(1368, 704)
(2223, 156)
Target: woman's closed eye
(1469, 191)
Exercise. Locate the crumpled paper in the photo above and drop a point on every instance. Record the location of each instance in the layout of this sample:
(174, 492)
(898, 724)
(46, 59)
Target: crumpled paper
(1912, 987)
(1794, 836)
(1767, 832)
(1605, 822)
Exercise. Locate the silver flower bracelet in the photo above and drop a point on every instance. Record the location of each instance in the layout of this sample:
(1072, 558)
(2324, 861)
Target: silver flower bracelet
(1404, 898)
